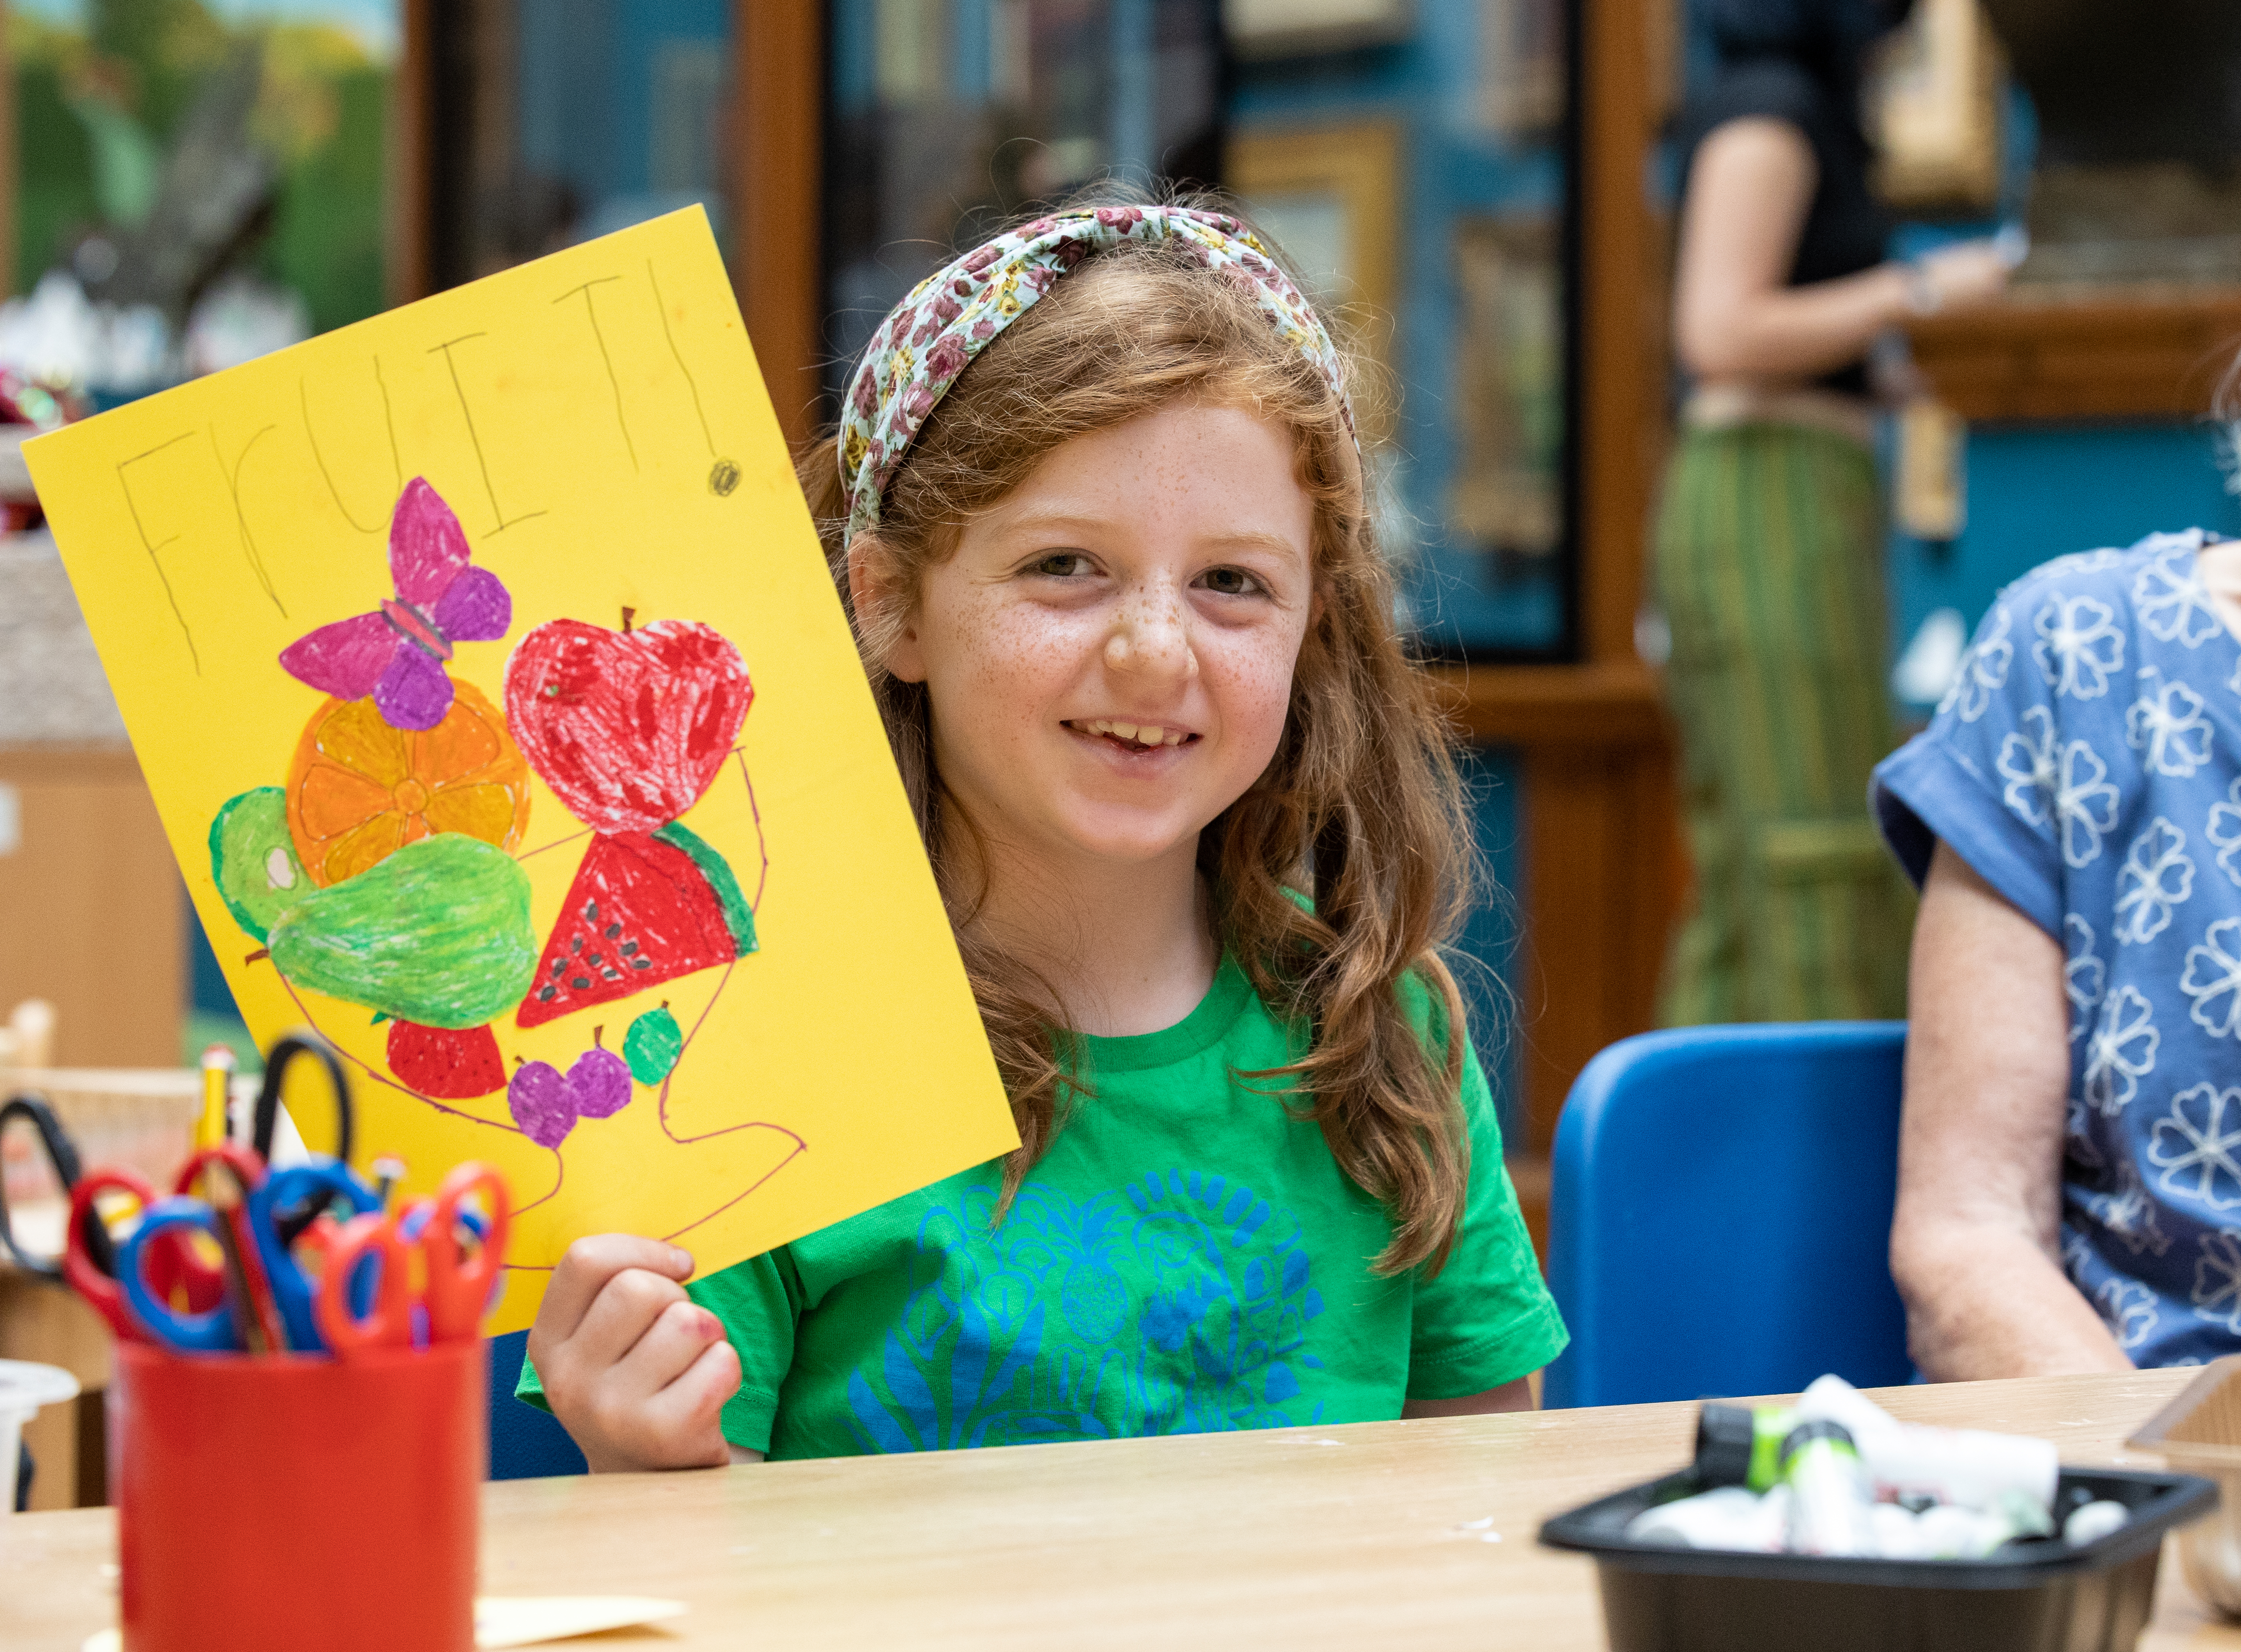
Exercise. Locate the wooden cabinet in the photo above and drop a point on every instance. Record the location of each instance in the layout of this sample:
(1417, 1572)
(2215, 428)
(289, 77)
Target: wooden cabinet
(92, 910)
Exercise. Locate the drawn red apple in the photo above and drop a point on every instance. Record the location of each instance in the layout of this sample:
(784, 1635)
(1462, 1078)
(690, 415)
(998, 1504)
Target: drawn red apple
(627, 727)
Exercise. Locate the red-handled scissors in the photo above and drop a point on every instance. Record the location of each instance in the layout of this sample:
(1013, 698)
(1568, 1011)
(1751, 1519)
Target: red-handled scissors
(455, 1287)
(89, 1255)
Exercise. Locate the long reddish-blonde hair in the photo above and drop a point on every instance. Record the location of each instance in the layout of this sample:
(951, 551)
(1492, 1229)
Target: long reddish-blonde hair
(1360, 807)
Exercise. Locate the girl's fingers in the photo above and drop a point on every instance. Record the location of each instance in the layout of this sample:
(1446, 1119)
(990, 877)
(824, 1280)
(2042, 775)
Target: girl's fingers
(622, 1313)
(584, 1271)
(687, 1415)
(666, 1352)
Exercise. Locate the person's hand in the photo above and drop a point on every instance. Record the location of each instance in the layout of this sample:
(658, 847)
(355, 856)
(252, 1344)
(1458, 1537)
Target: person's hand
(1964, 275)
(636, 1372)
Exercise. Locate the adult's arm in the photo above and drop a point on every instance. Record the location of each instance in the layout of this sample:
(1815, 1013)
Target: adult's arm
(1736, 319)
(1976, 1242)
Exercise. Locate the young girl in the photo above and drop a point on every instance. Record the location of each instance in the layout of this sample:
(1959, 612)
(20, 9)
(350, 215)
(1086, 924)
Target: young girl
(1097, 512)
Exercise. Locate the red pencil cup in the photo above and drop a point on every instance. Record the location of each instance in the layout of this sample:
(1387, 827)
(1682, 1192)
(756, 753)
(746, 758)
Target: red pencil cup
(293, 1501)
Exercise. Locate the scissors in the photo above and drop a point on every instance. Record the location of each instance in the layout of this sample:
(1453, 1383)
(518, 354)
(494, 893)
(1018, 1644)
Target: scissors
(62, 1155)
(277, 1210)
(267, 1116)
(89, 1259)
(456, 1288)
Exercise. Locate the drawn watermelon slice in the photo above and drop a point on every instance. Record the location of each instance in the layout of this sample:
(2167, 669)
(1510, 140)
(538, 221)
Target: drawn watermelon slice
(645, 907)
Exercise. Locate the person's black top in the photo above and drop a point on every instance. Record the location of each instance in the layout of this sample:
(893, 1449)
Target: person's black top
(1845, 228)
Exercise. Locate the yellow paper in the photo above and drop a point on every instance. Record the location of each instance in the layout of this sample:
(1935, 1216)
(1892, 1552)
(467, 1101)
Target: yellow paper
(597, 424)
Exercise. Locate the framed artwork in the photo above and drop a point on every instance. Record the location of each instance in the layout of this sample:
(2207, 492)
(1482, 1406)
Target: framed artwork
(1521, 83)
(1285, 28)
(1506, 493)
(1329, 195)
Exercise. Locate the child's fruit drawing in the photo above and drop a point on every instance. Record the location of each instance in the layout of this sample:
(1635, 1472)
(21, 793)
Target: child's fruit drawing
(258, 875)
(628, 728)
(358, 789)
(652, 1046)
(546, 1104)
(450, 1064)
(646, 907)
(437, 934)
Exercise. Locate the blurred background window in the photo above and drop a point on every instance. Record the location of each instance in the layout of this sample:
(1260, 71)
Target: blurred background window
(194, 182)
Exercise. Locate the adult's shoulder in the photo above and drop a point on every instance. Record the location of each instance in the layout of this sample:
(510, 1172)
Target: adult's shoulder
(2121, 577)
(1763, 89)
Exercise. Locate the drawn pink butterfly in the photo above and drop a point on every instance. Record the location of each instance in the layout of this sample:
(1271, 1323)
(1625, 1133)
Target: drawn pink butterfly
(397, 653)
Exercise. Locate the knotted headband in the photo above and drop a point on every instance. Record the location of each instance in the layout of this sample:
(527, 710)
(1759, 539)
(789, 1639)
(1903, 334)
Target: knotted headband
(949, 317)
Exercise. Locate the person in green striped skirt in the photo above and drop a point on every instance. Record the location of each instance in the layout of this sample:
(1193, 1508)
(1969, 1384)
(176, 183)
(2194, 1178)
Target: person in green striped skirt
(1768, 546)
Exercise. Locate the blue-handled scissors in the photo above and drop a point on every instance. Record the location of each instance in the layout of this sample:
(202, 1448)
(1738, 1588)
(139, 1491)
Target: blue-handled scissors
(281, 1208)
(281, 1211)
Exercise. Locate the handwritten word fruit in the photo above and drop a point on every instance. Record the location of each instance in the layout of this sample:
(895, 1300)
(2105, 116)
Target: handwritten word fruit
(646, 907)
(437, 933)
(628, 728)
(652, 1044)
(394, 657)
(546, 1104)
(253, 861)
(359, 790)
(452, 1064)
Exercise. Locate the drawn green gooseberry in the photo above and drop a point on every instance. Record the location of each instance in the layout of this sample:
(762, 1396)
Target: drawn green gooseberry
(652, 1046)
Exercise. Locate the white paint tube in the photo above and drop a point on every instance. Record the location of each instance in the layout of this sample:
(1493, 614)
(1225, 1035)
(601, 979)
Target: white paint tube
(1830, 1502)
(1970, 1467)
(1731, 1517)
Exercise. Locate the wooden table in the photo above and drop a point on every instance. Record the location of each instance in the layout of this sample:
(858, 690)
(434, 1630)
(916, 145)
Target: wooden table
(1344, 1537)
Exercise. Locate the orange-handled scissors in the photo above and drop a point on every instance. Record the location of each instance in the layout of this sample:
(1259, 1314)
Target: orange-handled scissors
(456, 1286)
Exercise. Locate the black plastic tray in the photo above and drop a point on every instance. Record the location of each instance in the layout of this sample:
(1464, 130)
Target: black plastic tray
(2044, 1597)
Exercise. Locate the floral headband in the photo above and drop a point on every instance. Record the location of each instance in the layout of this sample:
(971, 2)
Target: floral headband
(950, 316)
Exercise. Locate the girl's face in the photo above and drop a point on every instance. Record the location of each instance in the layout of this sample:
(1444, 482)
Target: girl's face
(1109, 651)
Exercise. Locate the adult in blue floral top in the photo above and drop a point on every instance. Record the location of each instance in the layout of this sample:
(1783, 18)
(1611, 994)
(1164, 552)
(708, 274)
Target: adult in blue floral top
(2069, 1173)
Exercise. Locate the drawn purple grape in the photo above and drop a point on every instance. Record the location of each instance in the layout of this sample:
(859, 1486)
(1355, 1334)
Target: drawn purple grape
(601, 1081)
(543, 1103)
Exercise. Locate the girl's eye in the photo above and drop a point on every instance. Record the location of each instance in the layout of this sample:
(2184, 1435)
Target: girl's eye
(1230, 582)
(1062, 565)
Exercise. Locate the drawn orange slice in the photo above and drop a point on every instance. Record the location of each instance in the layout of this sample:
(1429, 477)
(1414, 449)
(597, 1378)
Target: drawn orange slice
(358, 790)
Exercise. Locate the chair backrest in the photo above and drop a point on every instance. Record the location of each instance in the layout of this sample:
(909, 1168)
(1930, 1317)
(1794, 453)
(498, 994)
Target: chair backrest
(1719, 1214)
(526, 1443)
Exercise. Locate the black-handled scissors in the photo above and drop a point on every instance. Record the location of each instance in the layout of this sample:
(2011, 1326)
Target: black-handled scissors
(267, 1118)
(289, 1225)
(62, 1155)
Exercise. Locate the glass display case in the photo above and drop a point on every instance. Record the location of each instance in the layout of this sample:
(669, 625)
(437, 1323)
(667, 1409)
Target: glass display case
(947, 116)
(554, 121)
(1412, 159)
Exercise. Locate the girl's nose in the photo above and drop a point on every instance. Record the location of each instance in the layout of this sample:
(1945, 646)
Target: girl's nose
(1151, 638)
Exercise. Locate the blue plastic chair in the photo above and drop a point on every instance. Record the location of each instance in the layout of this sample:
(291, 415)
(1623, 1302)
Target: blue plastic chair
(526, 1443)
(1719, 1215)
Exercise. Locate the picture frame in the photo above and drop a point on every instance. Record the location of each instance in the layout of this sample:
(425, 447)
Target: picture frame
(1329, 197)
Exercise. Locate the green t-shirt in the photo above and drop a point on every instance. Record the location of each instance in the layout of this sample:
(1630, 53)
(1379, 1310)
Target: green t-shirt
(1187, 1257)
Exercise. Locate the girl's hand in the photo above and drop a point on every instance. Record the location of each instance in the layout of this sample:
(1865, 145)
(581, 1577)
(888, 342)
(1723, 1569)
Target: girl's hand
(636, 1372)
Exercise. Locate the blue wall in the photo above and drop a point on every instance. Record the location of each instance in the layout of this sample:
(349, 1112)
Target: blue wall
(2039, 492)
(1490, 942)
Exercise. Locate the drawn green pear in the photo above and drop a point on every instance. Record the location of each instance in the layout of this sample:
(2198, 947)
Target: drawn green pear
(254, 861)
(437, 934)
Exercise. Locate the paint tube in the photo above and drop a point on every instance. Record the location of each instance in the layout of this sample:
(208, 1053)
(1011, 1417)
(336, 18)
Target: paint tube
(1969, 1468)
(1730, 1517)
(1741, 1446)
(1829, 1496)
(2093, 1523)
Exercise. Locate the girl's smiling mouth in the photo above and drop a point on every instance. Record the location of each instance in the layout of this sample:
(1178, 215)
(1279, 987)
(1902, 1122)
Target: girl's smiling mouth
(1130, 737)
